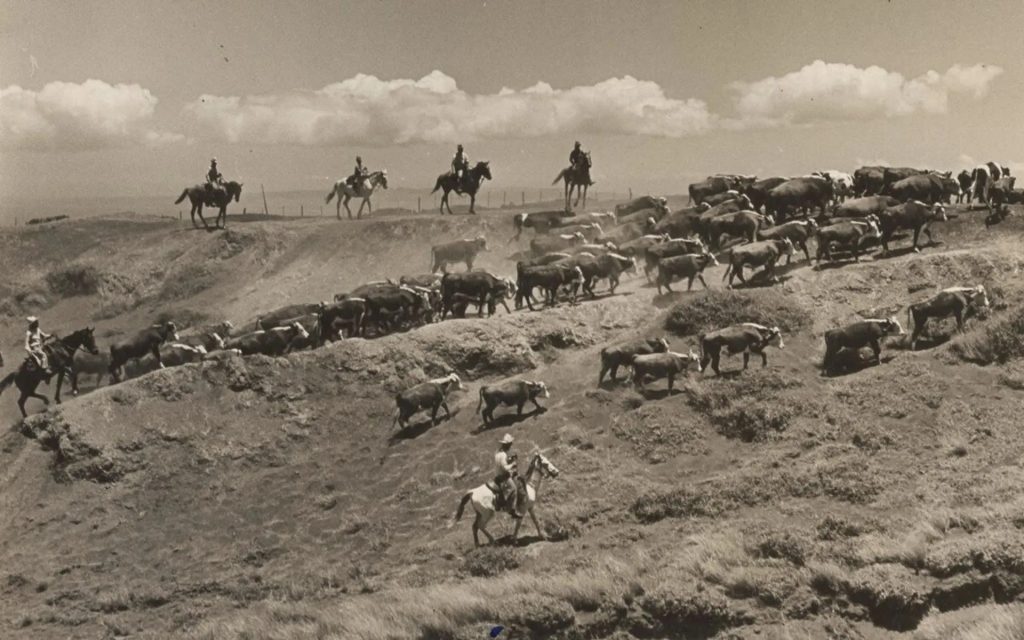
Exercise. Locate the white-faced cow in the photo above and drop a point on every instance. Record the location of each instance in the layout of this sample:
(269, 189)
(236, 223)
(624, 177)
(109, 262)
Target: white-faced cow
(622, 356)
(272, 342)
(860, 334)
(842, 183)
(798, 232)
(431, 395)
(954, 301)
(687, 266)
(663, 365)
(757, 254)
(442, 255)
(848, 235)
(743, 338)
(511, 393)
(912, 215)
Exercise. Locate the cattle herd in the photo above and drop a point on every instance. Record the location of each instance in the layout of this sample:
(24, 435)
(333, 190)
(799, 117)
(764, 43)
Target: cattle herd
(742, 221)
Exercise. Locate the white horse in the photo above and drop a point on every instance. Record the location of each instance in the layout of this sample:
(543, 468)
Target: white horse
(483, 498)
(363, 190)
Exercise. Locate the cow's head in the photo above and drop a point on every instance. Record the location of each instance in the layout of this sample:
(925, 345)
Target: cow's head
(300, 330)
(939, 212)
(218, 342)
(872, 224)
(978, 297)
(509, 288)
(772, 336)
(787, 247)
(891, 326)
(658, 345)
(709, 258)
(578, 238)
(694, 358)
(170, 331)
(537, 389)
(577, 275)
(481, 243)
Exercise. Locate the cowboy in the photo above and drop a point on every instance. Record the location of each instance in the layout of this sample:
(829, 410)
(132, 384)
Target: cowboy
(506, 474)
(213, 176)
(460, 164)
(578, 159)
(358, 174)
(34, 339)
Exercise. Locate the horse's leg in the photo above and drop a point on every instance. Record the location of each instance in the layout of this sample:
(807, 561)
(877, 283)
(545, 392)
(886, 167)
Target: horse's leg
(515, 530)
(337, 206)
(201, 218)
(345, 202)
(445, 203)
(585, 187)
(60, 382)
(369, 205)
(359, 214)
(472, 203)
(482, 526)
(533, 517)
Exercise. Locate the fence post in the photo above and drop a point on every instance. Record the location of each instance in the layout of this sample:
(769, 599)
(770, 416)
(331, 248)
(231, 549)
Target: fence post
(523, 197)
(631, 193)
(302, 211)
(503, 195)
(419, 205)
(321, 211)
(179, 215)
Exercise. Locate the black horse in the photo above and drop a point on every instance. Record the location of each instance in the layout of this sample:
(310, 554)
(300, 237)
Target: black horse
(471, 182)
(576, 177)
(220, 197)
(61, 354)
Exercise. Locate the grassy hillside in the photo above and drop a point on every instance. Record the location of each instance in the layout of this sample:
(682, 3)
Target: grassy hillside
(271, 498)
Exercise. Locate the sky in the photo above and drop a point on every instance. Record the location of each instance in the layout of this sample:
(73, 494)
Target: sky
(134, 98)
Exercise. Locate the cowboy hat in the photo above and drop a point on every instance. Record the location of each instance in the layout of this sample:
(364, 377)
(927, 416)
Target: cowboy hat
(508, 439)
(32, 319)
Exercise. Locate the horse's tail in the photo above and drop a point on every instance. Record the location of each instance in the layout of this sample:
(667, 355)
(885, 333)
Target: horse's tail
(438, 184)
(462, 505)
(330, 195)
(8, 381)
(559, 177)
(184, 194)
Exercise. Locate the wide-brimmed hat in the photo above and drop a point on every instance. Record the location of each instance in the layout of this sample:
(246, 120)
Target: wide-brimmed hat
(32, 319)
(508, 439)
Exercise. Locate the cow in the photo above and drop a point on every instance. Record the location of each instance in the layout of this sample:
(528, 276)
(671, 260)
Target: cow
(965, 180)
(388, 302)
(348, 312)
(550, 244)
(983, 177)
(677, 247)
(757, 193)
(548, 258)
(171, 355)
(1001, 192)
(892, 175)
(310, 322)
(511, 393)
(208, 340)
(868, 181)
(747, 337)
(799, 193)
(719, 198)
(142, 343)
(700, 225)
(740, 224)
(716, 184)
(842, 183)
(606, 218)
(271, 318)
(662, 365)
(763, 253)
(638, 246)
(630, 230)
(540, 221)
(595, 249)
(864, 207)
(928, 187)
(958, 302)
(425, 280)
(912, 215)
(644, 218)
(639, 204)
(614, 357)
(860, 334)
(689, 266)
(431, 395)
(681, 223)
(848, 234)
(798, 232)
(549, 277)
(441, 255)
(591, 230)
(609, 265)
(482, 287)
(271, 342)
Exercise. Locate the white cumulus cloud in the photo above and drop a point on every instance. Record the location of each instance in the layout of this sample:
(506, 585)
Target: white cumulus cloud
(367, 110)
(77, 116)
(823, 91)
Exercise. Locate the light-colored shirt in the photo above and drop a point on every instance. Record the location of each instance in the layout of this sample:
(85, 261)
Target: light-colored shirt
(34, 340)
(502, 464)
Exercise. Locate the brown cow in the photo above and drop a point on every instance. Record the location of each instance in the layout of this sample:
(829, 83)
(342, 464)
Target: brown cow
(954, 301)
(747, 338)
(442, 255)
(687, 266)
(512, 393)
(662, 365)
(764, 253)
(431, 395)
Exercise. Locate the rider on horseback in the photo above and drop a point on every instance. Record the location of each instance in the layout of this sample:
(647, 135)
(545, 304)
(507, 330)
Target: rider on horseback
(358, 174)
(507, 478)
(460, 165)
(578, 161)
(34, 340)
(213, 176)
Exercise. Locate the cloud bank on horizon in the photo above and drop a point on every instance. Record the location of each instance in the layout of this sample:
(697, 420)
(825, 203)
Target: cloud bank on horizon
(367, 110)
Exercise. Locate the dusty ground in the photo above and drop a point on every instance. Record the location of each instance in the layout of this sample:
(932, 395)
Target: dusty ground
(264, 498)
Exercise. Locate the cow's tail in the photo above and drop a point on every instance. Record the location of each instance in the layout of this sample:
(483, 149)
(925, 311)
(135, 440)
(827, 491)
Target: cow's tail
(462, 505)
(437, 185)
(7, 381)
(330, 194)
(184, 194)
(481, 402)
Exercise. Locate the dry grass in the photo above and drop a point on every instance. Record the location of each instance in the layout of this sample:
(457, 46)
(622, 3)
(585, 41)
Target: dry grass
(988, 622)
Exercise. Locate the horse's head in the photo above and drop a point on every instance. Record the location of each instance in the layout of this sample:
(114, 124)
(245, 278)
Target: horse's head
(544, 465)
(382, 178)
(82, 339)
(483, 168)
(587, 160)
(234, 190)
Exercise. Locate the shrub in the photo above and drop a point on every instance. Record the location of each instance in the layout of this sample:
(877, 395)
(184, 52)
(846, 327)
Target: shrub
(490, 561)
(716, 308)
(74, 280)
(996, 342)
(187, 281)
(783, 545)
(751, 420)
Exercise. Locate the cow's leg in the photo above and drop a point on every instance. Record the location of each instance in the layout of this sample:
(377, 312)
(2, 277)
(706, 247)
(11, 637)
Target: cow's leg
(746, 358)
(959, 315)
(877, 348)
(764, 358)
(156, 355)
(714, 362)
(671, 380)
(536, 404)
(433, 413)
(738, 272)
(807, 254)
(447, 413)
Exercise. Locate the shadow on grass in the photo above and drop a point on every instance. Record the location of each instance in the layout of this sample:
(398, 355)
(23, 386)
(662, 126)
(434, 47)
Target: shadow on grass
(509, 419)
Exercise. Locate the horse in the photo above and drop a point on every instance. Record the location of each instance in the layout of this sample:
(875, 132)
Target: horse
(61, 354)
(364, 189)
(578, 177)
(483, 498)
(470, 185)
(220, 197)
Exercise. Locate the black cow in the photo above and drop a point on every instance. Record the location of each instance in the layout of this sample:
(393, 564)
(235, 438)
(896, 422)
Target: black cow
(687, 266)
(681, 223)
(550, 278)
(926, 187)
(511, 393)
(609, 265)
(892, 175)
(678, 247)
(798, 232)
(272, 342)
(868, 181)
(388, 304)
(955, 301)
(614, 357)
(483, 287)
(912, 215)
(348, 312)
(757, 193)
(860, 334)
(965, 180)
(144, 342)
(746, 338)
(441, 255)
(799, 193)
(662, 365)
(848, 234)
(431, 395)
(703, 221)
(763, 253)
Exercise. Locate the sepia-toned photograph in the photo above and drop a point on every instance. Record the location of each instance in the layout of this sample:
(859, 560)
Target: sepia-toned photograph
(511, 320)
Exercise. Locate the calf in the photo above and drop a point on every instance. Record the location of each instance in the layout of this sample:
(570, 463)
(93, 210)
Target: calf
(143, 342)
(912, 215)
(662, 365)
(798, 231)
(550, 244)
(272, 342)
(747, 338)
(756, 254)
(548, 277)
(614, 357)
(511, 393)
(955, 301)
(687, 266)
(441, 255)
(860, 334)
(849, 235)
(431, 395)
(678, 247)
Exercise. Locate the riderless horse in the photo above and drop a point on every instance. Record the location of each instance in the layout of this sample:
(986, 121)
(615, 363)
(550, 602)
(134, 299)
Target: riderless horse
(61, 354)
(364, 189)
(218, 196)
(576, 177)
(470, 185)
(484, 496)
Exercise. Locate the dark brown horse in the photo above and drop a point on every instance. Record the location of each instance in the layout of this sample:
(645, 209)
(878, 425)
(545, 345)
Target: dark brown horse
(471, 182)
(61, 354)
(219, 197)
(144, 342)
(576, 177)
